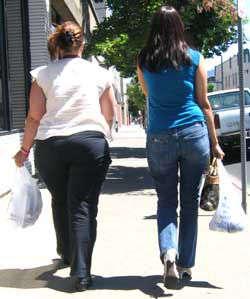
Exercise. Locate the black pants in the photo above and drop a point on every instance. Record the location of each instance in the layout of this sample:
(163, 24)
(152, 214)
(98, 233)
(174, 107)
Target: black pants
(74, 168)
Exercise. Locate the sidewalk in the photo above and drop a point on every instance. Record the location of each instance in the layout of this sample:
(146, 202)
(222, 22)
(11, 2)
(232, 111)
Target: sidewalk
(125, 263)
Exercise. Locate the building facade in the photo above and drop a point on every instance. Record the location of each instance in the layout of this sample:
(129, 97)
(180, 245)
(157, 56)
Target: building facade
(227, 73)
(120, 86)
(101, 9)
(24, 28)
(121, 107)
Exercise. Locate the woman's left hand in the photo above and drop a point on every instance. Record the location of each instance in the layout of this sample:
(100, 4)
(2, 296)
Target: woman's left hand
(218, 152)
(19, 158)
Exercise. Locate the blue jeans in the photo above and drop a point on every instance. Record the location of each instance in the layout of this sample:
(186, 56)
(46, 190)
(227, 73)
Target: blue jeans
(184, 150)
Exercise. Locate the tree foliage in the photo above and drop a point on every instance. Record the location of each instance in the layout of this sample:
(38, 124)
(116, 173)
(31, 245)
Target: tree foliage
(210, 87)
(136, 98)
(210, 27)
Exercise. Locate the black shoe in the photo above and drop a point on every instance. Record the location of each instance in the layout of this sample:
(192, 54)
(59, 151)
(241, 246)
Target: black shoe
(82, 284)
(66, 261)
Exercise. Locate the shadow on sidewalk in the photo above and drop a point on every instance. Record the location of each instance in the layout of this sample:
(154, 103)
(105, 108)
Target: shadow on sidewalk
(44, 277)
(122, 179)
(201, 214)
(146, 284)
(127, 152)
(149, 285)
(34, 278)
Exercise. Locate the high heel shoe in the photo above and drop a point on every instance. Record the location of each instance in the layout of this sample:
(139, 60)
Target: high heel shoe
(171, 276)
(184, 273)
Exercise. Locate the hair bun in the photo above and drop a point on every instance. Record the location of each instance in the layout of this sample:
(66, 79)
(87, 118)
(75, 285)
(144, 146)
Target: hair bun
(69, 37)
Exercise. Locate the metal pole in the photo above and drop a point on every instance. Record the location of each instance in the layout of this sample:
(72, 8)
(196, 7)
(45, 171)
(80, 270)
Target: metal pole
(242, 117)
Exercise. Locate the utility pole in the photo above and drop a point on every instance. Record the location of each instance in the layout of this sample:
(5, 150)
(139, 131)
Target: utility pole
(241, 15)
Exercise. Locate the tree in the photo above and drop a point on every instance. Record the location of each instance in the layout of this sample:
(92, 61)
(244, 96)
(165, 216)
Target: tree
(136, 100)
(210, 87)
(210, 26)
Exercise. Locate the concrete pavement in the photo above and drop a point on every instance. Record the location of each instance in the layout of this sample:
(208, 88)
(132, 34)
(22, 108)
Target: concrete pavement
(125, 261)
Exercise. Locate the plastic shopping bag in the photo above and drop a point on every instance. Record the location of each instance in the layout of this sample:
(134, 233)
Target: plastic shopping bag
(229, 215)
(25, 204)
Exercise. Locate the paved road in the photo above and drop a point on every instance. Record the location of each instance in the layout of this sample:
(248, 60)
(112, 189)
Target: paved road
(126, 263)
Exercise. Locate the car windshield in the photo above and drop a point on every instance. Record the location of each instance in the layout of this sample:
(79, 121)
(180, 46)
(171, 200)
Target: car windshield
(227, 100)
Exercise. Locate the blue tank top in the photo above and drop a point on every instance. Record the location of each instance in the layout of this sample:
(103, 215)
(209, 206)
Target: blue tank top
(171, 96)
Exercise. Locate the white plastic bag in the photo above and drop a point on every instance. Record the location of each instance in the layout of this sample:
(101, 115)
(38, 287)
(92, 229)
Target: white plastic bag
(229, 215)
(25, 204)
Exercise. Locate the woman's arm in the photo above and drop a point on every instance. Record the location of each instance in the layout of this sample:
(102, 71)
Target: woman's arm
(142, 81)
(36, 111)
(107, 103)
(201, 95)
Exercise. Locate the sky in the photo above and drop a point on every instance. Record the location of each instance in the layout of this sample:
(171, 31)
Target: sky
(233, 50)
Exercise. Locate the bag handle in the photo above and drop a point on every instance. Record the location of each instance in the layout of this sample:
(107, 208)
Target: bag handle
(214, 167)
(214, 162)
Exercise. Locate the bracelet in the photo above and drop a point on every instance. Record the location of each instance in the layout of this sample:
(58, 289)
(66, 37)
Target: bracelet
(24, 152)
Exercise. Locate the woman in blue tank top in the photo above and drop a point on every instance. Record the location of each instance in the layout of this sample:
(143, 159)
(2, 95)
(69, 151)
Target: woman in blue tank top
(173, 77)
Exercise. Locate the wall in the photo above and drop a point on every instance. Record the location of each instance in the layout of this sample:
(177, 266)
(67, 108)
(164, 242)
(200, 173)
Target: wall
(39, 28)
(231, 72)
(17, 95)
(68, 9)
(101, 10)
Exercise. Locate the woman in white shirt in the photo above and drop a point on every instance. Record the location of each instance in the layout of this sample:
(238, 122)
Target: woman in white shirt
(70, 115)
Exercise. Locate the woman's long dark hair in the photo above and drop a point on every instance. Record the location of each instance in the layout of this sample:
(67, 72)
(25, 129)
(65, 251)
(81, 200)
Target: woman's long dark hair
(166, 45)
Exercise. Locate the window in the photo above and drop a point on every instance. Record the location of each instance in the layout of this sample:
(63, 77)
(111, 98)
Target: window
(227, 100)
(247, 98)
(246, 55)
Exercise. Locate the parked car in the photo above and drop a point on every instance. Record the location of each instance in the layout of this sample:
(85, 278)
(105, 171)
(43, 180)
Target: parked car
(226, 110)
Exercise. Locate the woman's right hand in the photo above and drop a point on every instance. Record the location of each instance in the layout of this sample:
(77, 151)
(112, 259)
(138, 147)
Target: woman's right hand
(218, 152)
(19, 158)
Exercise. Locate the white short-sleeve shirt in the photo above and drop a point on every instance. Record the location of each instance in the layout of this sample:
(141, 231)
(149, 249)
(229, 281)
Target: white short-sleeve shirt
(72, 87)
